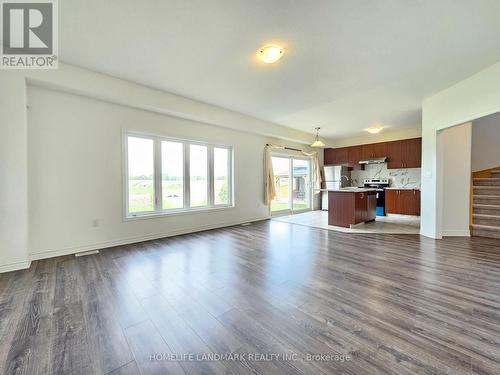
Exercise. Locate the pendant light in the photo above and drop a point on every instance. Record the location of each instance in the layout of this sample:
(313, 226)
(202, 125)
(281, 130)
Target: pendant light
(317, 143)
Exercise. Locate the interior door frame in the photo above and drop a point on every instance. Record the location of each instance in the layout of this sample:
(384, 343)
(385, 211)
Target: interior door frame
(291, 211)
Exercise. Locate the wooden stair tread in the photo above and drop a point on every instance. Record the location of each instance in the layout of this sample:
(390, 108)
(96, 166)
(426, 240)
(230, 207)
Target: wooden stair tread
(485, 227)
(486, 216)
(482, 205)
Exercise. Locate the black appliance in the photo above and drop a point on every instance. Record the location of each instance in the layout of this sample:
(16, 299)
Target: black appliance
(379, 184)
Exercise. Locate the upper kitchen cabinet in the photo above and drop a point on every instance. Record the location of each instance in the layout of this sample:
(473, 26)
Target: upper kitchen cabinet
(395, 155)
(404, 154)
(400, 154)
(336, 156)
(355, 154)
(328, 155)
(412, 153)
(374, 150)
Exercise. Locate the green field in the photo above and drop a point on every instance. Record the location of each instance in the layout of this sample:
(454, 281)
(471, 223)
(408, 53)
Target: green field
(141, 194)
(280, 206)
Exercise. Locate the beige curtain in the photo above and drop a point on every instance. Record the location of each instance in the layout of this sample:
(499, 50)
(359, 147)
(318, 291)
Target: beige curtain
(269, 186)
(317, 176)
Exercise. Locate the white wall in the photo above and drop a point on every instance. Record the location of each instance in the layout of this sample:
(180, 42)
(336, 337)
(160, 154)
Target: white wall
(486, 143)
(75, 173)
(455, 146)
(468, 100)
(51, 231)
(14, 175)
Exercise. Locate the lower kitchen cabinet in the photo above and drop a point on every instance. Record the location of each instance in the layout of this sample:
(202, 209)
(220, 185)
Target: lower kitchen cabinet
(347, 208)
(403, 201)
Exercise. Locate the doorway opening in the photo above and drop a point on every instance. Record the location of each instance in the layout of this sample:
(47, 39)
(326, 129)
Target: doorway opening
(293, 178)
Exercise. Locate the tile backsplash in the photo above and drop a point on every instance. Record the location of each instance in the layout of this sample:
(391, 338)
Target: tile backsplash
(400, 178)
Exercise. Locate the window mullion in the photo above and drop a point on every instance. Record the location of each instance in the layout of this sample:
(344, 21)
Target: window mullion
(210, 174)
(230, 169)
(290, 184)
(157, 174)
(187, 177)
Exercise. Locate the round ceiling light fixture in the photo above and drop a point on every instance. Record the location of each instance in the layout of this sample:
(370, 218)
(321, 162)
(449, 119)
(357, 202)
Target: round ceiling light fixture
(375, 129)
(270, 53)
(317, 142)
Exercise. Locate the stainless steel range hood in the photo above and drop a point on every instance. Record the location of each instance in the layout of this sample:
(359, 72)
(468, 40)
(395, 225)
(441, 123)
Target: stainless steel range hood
(374, 161)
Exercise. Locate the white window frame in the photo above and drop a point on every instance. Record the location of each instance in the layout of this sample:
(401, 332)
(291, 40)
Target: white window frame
(290, 210)
(159, 211)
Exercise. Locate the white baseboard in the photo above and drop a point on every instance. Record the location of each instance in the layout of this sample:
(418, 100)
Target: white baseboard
(456, 233)
(130, 240)
(15, 266)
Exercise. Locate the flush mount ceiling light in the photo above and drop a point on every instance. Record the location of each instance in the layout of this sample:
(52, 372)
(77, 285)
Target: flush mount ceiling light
(375, 129)
(317, 142)
(270, 54)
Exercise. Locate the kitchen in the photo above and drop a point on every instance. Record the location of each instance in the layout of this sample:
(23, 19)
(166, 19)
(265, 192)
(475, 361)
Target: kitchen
(369, 188)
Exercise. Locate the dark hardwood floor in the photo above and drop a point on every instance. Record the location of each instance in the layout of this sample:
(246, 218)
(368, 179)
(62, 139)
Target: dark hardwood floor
(389, 304)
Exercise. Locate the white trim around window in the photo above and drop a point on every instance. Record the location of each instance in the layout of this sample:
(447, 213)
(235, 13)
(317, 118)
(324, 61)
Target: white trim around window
(144, 154)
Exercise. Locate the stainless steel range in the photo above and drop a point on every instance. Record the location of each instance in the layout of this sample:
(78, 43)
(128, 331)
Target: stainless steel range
(380, 184)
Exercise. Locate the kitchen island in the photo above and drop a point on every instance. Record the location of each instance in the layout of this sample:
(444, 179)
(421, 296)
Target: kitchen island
(348, 207)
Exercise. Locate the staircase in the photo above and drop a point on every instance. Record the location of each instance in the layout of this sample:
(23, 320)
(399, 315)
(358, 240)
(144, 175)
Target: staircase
(486, 205)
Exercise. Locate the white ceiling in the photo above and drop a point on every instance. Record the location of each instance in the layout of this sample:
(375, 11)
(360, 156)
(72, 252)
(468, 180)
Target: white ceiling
(349, 63)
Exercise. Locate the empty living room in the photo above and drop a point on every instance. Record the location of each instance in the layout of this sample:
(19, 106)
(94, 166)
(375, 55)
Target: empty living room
(250, 187)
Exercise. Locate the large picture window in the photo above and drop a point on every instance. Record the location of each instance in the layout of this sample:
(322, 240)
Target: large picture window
(165, 176)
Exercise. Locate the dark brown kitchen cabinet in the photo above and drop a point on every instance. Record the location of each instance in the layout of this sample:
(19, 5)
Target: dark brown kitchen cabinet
(400, 154)
(342, 155)
(336, 156)
(394, 155)
(404, 154)
(412, 153)
(375, 150)
(390, 201)
(360, 204)
(415, 207)
(350, 208)
(328, 156)
(403, 201)
(355, 154)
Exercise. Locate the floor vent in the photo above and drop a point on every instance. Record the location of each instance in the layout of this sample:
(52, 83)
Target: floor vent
(83, 253)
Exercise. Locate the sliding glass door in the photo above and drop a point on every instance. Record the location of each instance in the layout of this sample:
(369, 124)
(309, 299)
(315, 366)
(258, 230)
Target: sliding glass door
(283, 191)
(292, 179)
